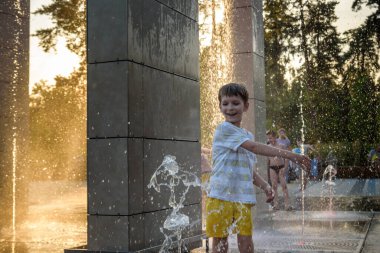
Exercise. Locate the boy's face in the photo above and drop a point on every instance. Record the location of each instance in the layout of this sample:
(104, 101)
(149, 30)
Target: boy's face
(232, 108)
(271, 139)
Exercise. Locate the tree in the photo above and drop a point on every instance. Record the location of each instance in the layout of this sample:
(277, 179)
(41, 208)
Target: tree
(58, 112)
(372, 22)
(69, 21)
(58, 129)
(318, 44)
(277, 33)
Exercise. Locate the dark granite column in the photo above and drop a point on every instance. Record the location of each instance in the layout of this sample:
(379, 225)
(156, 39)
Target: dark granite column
(143, 104)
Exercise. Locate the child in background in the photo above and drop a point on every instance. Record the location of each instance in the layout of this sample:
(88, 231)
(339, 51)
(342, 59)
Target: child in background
(277, 168)
(232, 194)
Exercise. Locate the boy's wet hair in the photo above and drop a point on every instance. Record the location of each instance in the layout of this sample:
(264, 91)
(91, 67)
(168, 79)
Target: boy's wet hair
(271, 133)
(233, 89)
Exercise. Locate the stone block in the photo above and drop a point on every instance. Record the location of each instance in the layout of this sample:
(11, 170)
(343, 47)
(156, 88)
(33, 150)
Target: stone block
(247, 30)
(115, 233)
(191, 50)
(114, 30)
(170, 40)
(14, 37)
(187, 156)
(255, 116)
(188, 8)
(249, 69)
(258, 4)
(154, 35)
(153, 222)
(187, 107)
(14, 102)
(183, 45)
(258, 31)
(20, 8)
(166, 115)
(116, 99)
(114, 168)
(242, 3)
(242, 32)
(258, 77)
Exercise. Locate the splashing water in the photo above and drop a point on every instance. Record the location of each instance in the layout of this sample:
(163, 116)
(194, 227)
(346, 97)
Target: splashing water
(328, 181)
(170, 175)
(302, 152)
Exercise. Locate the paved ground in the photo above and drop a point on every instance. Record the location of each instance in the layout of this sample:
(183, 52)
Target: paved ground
(316, 229)
(339, 228)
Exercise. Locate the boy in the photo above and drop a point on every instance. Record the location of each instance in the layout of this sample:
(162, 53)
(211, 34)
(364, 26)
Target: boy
(277, 169)
(231, 194)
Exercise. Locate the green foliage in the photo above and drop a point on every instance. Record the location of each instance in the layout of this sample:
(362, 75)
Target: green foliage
(372, 23)
(58, 112)
(340, 98)
(347, 153)
(69, 21)
(58, 128)
(363, 125)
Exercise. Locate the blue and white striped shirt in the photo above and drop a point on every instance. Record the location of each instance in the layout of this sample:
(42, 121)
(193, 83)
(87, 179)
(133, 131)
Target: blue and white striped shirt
(232, 166)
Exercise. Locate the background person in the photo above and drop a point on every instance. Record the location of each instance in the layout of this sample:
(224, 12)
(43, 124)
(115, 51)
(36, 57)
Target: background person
(277, 168)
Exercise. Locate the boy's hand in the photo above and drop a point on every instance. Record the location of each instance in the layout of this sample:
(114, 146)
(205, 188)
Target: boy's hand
(304, 161)
(270, 194)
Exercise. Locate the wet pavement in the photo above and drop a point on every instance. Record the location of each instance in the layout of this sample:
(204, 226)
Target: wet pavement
(325, 224)
(57, 220)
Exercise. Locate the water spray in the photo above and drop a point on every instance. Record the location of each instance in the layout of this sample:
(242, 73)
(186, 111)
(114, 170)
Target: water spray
(170, 175)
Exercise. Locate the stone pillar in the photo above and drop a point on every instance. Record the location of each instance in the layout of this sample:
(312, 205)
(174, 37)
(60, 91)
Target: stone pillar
(247, 32)
(143, 103)
(14, 104)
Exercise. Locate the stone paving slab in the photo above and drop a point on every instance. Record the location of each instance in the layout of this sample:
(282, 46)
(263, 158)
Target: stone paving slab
(372, 240)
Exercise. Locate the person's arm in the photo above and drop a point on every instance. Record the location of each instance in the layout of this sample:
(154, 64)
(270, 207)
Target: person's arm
(263, 185)
(265, 150)
(260, 182)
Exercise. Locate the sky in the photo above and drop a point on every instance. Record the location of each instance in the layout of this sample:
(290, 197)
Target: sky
(45, 66)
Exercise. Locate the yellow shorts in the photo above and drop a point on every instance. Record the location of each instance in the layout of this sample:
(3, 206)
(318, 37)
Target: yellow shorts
(225, 217)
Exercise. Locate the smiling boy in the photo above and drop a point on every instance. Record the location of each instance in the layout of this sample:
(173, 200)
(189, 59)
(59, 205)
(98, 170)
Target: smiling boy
(231, 194)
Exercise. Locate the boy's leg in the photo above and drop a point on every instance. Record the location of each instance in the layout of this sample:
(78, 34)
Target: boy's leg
(274, 179)
(284, 187)
(219, 219)
(219, 245)
(245, 243)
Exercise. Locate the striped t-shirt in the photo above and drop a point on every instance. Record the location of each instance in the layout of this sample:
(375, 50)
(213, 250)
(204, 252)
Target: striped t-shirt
(232, 166)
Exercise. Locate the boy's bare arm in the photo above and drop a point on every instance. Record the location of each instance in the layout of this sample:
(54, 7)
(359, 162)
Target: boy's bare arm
(265, 150)
(260, 182)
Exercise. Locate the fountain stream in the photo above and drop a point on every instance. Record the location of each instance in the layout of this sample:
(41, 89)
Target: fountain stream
(14, 110)
(328, 182)
(302, 152)
(170, 175)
